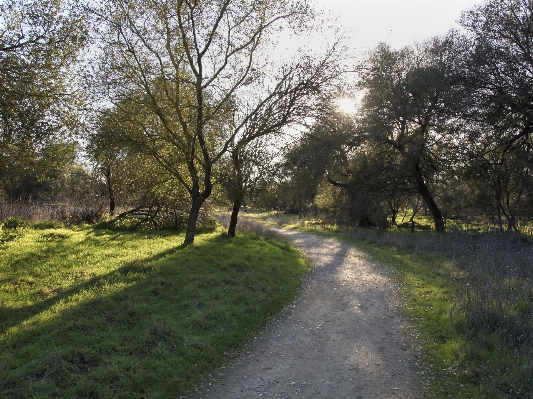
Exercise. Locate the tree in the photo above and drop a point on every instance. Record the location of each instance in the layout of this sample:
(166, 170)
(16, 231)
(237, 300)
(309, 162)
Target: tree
(299, 90)
(242, 174)
(498, 86)
(498, 69)
(195, 71)
(106, 150)
(39, 43)
(38, 175)
(321, 151)
(130, 177)
(407, 108)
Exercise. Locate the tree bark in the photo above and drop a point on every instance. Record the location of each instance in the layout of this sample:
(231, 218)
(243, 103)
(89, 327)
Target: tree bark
(237, 203)
(110, 191)
(428, 199)
(237, 191)
(238, 199)
(196, 205)
(112, 204)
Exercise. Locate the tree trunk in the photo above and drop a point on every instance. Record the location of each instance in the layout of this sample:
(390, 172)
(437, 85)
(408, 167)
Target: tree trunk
(428, 199)
(237, 192)
(237, 202)
(112, 204)
(110, 191)
(238, 199)
(197, 202)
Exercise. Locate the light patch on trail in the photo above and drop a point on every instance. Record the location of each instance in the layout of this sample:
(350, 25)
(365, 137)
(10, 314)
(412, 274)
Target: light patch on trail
(343, 337)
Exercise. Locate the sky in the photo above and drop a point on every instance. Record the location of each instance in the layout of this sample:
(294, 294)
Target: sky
(396, 22)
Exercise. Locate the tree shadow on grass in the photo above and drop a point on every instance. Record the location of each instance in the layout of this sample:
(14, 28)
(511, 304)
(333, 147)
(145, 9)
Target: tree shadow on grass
(12, 316)
(15, 316)
(147, 329)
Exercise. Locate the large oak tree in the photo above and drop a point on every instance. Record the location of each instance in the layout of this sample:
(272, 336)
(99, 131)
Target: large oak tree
(407, 107)
(498, 105)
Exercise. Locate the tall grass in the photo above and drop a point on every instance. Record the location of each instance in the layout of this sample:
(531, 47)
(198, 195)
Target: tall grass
(36, 212)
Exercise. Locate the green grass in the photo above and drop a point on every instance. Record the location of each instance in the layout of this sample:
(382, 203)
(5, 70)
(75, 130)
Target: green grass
(466, 338)
(104, 314)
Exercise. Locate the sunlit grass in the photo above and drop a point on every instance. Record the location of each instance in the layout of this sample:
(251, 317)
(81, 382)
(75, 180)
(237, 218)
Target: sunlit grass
(94, 313)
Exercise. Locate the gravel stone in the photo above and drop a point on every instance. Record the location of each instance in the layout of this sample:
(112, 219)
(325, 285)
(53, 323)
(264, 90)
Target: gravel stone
(343, 337)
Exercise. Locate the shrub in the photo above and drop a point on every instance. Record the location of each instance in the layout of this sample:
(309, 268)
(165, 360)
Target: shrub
(208, 225)
(11, 229)
(14, 223)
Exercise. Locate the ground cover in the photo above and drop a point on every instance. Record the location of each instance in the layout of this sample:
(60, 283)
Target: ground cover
(95, 313)
(470, 296)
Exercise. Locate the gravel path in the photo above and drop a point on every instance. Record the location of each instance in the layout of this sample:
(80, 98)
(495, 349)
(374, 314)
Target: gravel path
(343, 337)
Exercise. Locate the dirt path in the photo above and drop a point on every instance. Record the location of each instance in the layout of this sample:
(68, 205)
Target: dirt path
(343, 337)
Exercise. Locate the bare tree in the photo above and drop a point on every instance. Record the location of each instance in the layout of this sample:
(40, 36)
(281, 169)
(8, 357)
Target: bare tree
(196, 73)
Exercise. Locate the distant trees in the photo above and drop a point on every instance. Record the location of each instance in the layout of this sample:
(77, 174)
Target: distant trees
(399, 140)
(448, 120)
(320, 153)
(110, 157)
(191, 97)
(39, 44)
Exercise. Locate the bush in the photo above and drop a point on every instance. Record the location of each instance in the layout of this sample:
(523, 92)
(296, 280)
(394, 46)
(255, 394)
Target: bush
(154, 218)
(11, 229)
(14, 223)
(208, 225)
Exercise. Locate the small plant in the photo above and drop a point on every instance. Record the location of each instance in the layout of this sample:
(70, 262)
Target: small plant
(208, 225)
(11, 229)
(14, 223)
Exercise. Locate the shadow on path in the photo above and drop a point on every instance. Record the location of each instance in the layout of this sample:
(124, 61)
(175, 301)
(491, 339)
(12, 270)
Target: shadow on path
(343, 337)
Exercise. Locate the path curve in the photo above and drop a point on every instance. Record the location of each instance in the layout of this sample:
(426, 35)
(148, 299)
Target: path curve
(343, 337)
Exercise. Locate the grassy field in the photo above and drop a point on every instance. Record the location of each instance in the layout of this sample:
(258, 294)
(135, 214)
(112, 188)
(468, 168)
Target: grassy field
(93, 313)
(470, 296)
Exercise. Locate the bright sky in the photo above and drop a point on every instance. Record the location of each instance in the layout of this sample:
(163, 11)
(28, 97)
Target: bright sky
(396, 22)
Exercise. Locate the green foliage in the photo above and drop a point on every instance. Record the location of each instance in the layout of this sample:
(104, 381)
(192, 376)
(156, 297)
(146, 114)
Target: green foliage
(11, 229)
(97, 313)
(208, 225)
(39, 42)
(13, 223)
